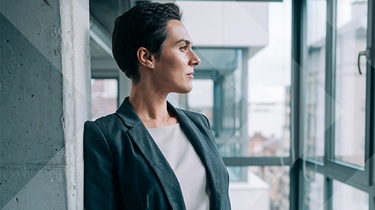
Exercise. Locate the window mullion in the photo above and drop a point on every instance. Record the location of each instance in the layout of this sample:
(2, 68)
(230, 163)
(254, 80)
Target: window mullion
(329, 101)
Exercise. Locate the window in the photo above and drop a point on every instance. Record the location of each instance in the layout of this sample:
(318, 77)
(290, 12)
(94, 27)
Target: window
(346, 197)
(104, 97)
(314, 190)
(314, 78)
(338, 109)
(262, 190)
(350, 88)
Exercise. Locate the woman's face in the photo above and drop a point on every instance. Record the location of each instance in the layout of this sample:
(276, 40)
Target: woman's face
(174, 69)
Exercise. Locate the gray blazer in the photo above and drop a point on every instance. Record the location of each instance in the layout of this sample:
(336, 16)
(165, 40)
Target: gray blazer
(124, 168)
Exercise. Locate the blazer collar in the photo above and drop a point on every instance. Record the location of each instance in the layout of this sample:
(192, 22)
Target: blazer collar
(127, 114)
(154, 156)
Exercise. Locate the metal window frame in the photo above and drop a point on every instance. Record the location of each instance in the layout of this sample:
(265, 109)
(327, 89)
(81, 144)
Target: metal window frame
(333, 170)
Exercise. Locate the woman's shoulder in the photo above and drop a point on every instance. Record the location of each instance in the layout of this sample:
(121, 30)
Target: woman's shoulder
(192, 114)
(109, 129)
(108, 122)
(196, 117)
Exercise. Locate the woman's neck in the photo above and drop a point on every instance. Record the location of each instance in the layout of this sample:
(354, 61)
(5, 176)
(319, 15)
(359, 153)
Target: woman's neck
(150, 106)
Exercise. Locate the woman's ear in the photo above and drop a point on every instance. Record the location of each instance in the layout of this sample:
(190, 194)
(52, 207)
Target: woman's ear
(144, 57)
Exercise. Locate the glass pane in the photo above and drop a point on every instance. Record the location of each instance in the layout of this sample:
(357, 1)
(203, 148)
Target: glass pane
(269, 87)
(350, 85)
(314, 190)
(346, 197)
(245, 50)
(104, 97)
(217, 94)
(314, 77)
(265, 188)
(200, 99)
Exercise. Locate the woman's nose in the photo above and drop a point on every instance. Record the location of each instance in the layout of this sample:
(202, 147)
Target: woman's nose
(195, 60)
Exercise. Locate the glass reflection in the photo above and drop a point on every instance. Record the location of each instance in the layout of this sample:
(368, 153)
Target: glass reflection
(350, 85)
(265, 188)
(314, 77)
(346, 197)
(104, 97)
(314, 190)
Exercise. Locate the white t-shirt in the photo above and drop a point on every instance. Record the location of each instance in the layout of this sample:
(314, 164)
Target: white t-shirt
(185, 163)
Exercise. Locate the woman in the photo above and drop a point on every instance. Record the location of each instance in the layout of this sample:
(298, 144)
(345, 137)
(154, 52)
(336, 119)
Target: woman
(150, 155)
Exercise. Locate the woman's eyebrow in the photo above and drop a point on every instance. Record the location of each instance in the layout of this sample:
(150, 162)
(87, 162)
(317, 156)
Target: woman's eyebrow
(184, 40)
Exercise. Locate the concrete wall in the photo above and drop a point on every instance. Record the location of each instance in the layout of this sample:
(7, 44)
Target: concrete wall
(44, 83)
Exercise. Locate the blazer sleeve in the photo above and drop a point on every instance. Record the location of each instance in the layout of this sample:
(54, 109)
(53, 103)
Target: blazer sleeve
(99, 182)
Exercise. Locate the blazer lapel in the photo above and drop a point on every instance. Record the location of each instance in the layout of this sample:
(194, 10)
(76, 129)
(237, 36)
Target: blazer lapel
(140, 136)
(198, 139)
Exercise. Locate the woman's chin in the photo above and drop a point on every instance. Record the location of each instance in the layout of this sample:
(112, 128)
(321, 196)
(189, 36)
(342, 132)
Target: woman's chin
(185, 90)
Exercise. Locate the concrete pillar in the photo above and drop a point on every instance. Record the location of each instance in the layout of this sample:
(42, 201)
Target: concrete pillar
(44, 101)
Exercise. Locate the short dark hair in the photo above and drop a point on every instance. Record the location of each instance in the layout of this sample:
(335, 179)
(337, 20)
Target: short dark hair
(144, 25)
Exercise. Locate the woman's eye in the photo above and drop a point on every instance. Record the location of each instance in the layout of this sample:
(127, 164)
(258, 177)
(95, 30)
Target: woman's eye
(183, 47)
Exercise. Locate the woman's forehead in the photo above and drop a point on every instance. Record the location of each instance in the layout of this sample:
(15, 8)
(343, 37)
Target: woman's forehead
(177, 32)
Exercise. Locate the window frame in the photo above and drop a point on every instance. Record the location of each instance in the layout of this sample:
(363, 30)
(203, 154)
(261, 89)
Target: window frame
(334, 170)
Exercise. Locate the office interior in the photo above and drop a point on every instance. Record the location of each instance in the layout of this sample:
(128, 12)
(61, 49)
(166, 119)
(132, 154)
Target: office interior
(287, 85)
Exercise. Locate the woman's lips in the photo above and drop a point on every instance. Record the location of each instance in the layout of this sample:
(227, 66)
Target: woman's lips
(191, 74)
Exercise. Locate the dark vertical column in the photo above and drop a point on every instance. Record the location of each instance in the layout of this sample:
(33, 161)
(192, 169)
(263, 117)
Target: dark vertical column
(296, 176)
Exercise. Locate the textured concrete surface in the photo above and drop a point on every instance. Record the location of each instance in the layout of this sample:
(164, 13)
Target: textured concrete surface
(43, 191)
(31, 106)
(44, 89)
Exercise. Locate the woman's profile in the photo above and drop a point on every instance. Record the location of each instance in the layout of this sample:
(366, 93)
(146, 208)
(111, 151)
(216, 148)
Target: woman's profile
(149, 154)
